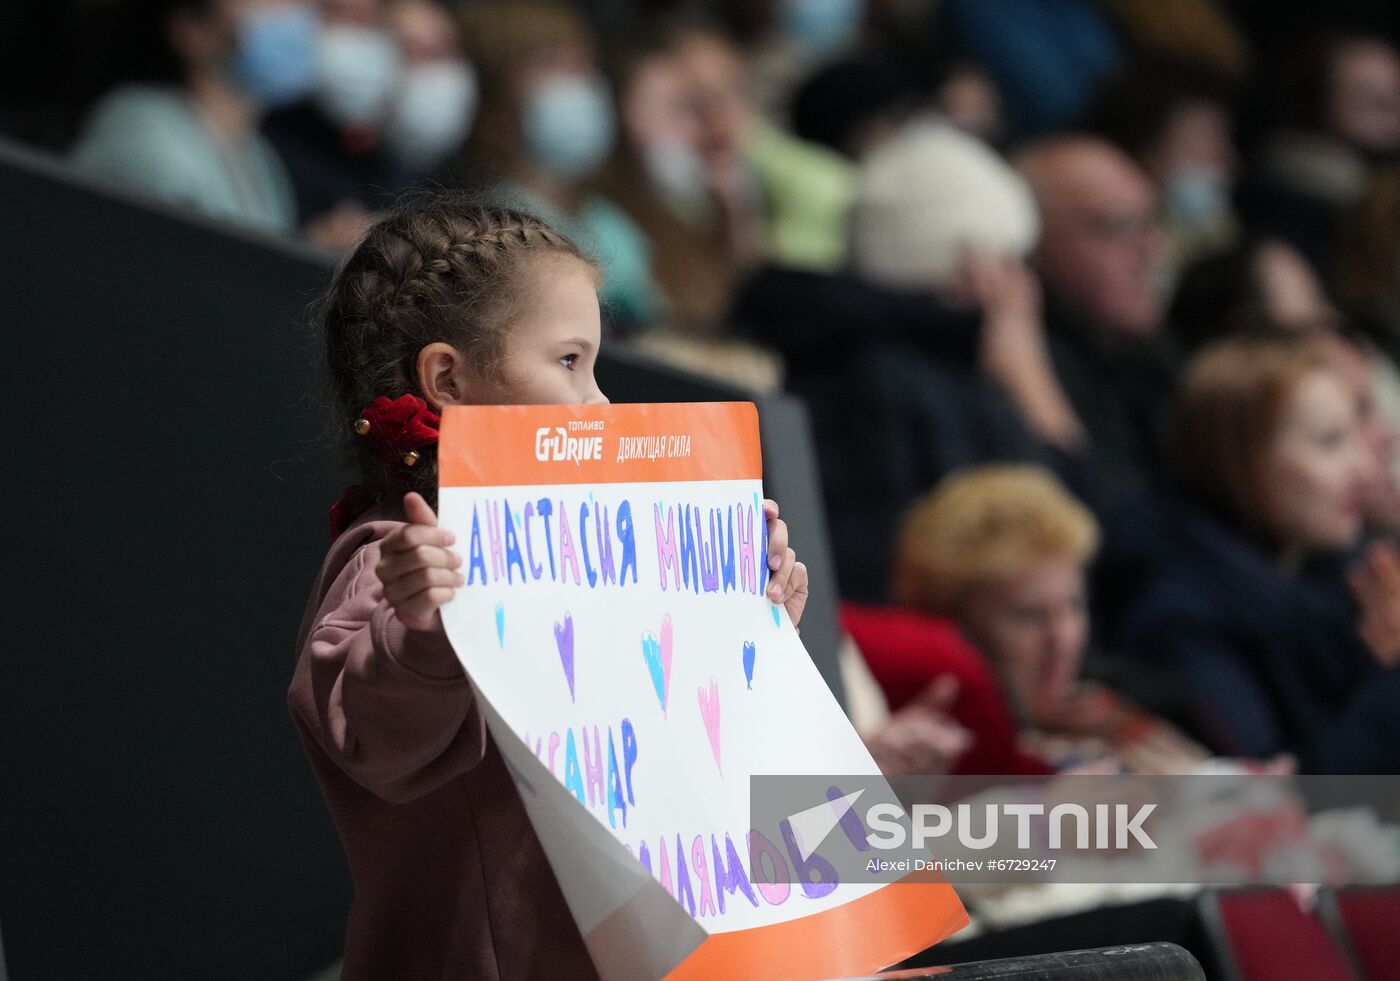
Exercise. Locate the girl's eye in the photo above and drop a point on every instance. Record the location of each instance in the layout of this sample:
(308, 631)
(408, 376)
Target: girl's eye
(569, 360)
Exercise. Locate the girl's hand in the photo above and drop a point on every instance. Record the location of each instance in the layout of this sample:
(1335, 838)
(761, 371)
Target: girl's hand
(417, 568)
(1375, 579)
(788, 583)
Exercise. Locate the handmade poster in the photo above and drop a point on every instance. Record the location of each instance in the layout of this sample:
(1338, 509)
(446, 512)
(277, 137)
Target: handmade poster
(615, 624)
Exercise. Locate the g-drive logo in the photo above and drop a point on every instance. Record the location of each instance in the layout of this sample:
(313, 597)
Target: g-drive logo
(558, 445)
(1109, 826)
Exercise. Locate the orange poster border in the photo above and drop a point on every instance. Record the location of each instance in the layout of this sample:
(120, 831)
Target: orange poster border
(502, 445)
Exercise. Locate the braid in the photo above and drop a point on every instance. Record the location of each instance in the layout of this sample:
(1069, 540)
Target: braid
(435, 269)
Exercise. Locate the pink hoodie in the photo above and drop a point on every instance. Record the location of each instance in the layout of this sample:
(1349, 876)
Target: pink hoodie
(450, 879)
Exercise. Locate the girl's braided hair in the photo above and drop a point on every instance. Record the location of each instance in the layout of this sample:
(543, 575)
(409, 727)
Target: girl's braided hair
(438, 268)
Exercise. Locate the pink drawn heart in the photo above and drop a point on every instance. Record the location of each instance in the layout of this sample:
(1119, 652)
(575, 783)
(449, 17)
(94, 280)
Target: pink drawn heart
(709, 712)
(564, 638)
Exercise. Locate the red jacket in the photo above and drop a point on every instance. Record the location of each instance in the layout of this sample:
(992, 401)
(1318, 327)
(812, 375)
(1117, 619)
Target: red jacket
(906, 651)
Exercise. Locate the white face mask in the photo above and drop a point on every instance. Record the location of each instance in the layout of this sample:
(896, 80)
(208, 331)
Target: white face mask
(432, 113)
(676, 169)
(357, 68)
(569, 125)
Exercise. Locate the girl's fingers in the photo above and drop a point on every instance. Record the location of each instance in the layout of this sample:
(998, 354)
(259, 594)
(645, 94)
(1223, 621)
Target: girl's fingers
(778, 590)
(418, 511)
(777, 542)
(412, 583)
(398, 564)
(419, 612)
(411, 536)
(797, 598)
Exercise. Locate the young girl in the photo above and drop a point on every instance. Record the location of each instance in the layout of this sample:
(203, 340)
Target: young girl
(443, 303)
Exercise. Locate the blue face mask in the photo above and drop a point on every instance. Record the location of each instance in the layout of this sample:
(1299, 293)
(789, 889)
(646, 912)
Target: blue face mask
(569, 126)
(275, 61)
(1195, 197)
(824, 27)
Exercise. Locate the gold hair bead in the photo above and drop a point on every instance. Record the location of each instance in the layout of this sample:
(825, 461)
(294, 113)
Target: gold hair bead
(361, 426)
(410, 458)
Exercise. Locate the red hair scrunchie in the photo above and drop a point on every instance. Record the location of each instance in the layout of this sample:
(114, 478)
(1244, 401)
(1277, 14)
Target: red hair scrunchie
(396, 430)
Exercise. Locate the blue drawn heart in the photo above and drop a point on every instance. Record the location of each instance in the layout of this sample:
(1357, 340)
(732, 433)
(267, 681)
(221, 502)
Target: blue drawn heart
(657, 654)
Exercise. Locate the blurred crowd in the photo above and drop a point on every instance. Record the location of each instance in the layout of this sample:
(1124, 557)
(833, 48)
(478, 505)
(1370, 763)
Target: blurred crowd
(1095, 305)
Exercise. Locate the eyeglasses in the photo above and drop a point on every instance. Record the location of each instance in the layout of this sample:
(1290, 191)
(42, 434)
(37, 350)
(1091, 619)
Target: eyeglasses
(1120, 226)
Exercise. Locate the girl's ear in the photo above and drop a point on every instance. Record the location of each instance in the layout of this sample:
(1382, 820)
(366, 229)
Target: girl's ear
(442, 375)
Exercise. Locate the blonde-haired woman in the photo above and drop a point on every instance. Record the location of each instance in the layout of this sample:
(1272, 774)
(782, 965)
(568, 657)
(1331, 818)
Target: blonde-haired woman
(1003, 551)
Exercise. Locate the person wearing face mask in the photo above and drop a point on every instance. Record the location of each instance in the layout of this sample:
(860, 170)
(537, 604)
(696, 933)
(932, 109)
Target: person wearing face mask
(188, 134)
(658, 177)
(1247, 585)
(546, 127)
(798, 37)
(1178, 127)
(432, 109)
(333, 140)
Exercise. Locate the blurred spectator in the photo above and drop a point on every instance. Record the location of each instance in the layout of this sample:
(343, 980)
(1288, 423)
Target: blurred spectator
(1375, 387)
(947, 711)
(703, 221)
(1259, 286)
(968, 98)
(892, 384)
(790, 40)
(932, 355)
(1003, 551)
(1368, 269)
(782, 196)
(1047, 56)
(1195, 34)
(1338, 112)
(1097, 259)
(939, 77)
(926, 198)
(1265, 287)
(435, 102)
(937, 209)
(1179, 129)
(852, 105)
(1363, 95)
(547, 124)
(333, 140)
(189, 135)
(939, 354)
(1242, 595)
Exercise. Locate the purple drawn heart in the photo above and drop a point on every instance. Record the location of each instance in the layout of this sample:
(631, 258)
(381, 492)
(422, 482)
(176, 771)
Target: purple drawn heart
(564, 638)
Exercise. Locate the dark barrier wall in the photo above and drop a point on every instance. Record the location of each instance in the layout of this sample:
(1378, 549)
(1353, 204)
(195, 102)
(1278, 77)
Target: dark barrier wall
(165, 511)
(158, 818)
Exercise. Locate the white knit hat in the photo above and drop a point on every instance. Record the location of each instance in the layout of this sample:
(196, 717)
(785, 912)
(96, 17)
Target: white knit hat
(926, 195)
